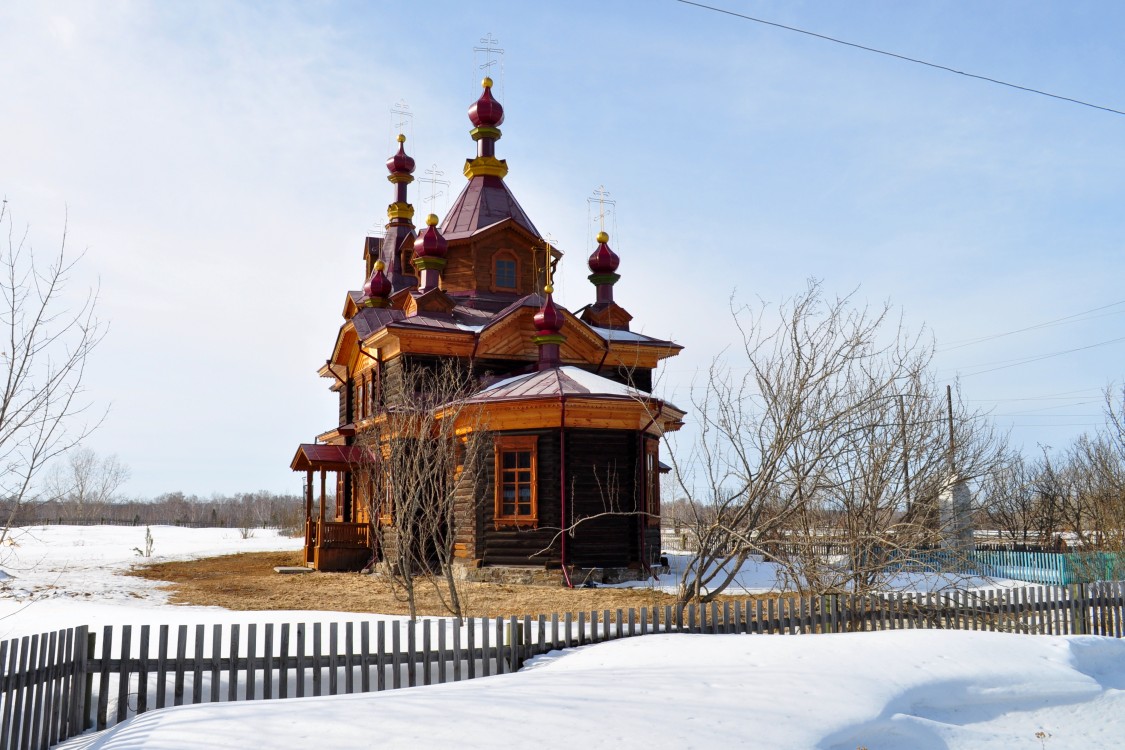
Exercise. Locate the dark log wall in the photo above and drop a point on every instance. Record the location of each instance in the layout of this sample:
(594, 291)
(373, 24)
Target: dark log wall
(603, 498)
(638, 377)
(602, 505)
(392, 381)
(523, 545)
(345, 402)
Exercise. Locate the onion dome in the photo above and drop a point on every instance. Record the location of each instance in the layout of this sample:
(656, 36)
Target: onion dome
(486, 112)
(548, 320)
(430, 243)
(378, 286)
(400, 162)
(603, 260)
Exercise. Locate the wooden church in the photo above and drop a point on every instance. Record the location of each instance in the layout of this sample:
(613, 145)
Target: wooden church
(561, 398)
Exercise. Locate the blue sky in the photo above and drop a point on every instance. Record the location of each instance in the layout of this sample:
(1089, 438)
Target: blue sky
(222, 163)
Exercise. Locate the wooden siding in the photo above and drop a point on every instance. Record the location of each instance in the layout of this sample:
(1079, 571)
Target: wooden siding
(471, 267)
(603, 498)
(523, 545)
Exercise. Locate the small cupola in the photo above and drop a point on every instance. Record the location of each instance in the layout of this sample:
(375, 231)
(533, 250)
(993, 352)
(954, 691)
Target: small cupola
(603, 265)
(605, 312)
(377, 290)
(548, 324)
(429, 255)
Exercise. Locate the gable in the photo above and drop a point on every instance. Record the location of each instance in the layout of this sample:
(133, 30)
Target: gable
(471, 263)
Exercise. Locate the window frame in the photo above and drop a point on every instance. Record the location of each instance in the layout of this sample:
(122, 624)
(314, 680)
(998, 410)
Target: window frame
(506, 444)
(652, 482)
(509, 256)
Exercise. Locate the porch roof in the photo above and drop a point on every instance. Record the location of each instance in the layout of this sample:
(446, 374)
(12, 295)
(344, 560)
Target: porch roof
(315, 456)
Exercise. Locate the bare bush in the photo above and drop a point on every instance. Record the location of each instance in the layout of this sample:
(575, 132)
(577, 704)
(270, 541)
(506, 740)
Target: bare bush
(427, 456)
(823, 432)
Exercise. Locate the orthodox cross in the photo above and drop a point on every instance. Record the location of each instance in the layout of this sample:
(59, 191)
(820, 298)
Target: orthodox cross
(601, 197)
(549, 262)
(433, 180)
(488, 49)
(401, 116)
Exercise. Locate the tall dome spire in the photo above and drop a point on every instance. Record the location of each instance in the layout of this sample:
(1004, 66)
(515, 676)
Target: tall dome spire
(486, 199)
(401, 168)
(400, 214)
(486, 114)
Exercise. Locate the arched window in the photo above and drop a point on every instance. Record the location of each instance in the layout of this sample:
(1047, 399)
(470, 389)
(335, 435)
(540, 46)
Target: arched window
(505, 271)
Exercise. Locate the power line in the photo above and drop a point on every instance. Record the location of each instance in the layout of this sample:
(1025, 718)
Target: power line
(1059, 396)
(1047, 324)
(1037, 358)
(900, 57)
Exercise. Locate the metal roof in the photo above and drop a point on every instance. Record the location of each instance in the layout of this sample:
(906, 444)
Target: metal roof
(314, 456)
(555, 382)
(485, 201)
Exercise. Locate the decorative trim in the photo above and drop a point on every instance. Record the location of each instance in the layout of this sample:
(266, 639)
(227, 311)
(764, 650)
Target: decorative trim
(486, 165)
(400, 211)
(397, 177)
(425, 264)
(604, 278)
(485, 132)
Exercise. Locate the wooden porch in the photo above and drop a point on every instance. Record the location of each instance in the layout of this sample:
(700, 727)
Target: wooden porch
(336, 542)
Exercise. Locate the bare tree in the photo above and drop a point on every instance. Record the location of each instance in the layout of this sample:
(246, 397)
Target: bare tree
(427, 454)
(46, 337)
(1010, 504)
(805, 446)
(86, 480)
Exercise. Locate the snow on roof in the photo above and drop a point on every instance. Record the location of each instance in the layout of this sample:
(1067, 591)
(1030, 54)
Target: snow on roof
(613, 334)
(568, 380)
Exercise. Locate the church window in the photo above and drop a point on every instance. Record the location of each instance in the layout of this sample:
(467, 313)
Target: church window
(505, 271)
(516, 496)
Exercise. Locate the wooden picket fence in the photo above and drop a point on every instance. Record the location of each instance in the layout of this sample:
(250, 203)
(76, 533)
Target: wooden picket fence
(56, 685)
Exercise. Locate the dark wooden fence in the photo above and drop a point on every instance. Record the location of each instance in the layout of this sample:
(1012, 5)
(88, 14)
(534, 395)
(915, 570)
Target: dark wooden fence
(59, 684)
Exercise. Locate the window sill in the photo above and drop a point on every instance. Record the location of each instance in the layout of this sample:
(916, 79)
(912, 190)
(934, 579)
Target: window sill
(517, 523)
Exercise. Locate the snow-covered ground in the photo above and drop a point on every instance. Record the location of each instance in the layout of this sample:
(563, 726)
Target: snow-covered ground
(894, 690)
(758, 577)
(898, 690)
(60, 576)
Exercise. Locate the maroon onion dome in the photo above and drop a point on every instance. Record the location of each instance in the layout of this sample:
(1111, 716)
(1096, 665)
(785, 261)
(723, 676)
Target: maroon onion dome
(486, 112)
(603, 260)
(378, 286)
(548, 320)
(400, 162)
(430, 243)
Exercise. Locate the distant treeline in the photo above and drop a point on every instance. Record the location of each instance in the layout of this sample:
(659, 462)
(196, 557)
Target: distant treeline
(242, 510)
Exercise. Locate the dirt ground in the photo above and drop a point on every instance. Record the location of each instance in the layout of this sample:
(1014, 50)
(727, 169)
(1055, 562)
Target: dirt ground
(248, 582)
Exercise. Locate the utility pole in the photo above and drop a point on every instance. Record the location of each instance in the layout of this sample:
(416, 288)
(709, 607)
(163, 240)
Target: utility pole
(905, 454)
(949, 408)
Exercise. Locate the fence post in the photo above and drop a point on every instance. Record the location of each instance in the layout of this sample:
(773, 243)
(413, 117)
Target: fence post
(1078, 603)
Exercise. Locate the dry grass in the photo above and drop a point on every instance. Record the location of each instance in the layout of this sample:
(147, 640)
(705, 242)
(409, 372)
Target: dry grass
(248, 582)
